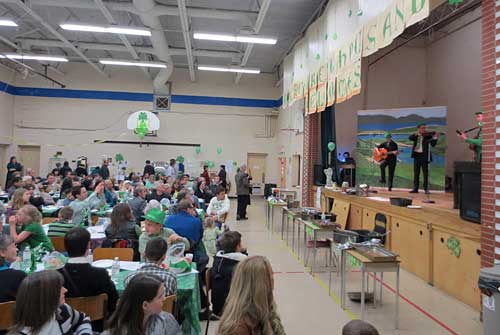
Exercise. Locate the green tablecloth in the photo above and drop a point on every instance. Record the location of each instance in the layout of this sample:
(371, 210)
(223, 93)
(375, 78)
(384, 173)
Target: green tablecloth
(188, 300)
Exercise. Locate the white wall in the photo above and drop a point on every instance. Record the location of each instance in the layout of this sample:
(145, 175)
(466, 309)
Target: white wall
(71, 125)
(6, 123)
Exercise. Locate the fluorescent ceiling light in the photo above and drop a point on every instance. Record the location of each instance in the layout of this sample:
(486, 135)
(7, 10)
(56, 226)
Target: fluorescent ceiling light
(235, 38)
(35, 57)
(131, 63)
(106, 29)
(234, 69)
(7, 22)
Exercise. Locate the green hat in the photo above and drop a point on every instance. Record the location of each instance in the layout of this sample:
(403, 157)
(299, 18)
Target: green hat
(387, 134)
(421, 124)
(155, 215)
(480, 112)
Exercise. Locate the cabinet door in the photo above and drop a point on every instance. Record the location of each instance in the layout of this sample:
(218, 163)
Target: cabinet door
(457, 276)
(368, 219)
(397, 236)
(419, 247)
(355, 220)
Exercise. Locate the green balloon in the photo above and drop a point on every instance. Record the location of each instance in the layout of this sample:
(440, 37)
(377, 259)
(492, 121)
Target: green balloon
(331, 146)
(235, 163)
(211, 164)
(219, 150)
(197, 150)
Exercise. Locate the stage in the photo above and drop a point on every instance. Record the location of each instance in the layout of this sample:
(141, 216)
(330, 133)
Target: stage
(433, 242)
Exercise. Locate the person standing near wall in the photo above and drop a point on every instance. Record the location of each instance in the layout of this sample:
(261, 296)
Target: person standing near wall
(243, 192)
(12, 167)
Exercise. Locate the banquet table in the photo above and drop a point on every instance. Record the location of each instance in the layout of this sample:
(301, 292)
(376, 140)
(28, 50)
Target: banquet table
(188, 299)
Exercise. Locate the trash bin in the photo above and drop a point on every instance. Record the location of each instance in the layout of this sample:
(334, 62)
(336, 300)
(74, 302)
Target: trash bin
(489, 284)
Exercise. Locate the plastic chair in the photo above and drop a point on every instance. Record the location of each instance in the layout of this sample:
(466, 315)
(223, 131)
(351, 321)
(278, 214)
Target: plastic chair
(94, 307)
(123, 254)
(7, 311)
(58, 243)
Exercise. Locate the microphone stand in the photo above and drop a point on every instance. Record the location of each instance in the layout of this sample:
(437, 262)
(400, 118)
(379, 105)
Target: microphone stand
(428, 200)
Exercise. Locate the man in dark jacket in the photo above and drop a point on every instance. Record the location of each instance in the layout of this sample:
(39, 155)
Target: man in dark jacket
(223, 176)
(225, 262)
(421, 154)
(243, 193)
(104, 171)
(80, 278)
(148, 168)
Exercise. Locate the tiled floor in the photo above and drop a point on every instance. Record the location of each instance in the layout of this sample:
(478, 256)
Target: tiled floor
(306, 307)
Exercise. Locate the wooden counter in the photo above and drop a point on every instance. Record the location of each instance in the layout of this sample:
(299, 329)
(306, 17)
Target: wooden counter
(421, 238)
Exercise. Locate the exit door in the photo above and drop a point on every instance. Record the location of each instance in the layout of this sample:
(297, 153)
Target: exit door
(256, 165)
(29, 157)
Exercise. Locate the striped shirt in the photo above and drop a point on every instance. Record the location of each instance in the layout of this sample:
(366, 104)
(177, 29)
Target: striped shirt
(66, 321)
(59, 228)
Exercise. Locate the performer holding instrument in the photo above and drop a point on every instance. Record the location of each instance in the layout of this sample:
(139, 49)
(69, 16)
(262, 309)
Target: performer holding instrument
(421, 154)
(476, 143)
(386, 153)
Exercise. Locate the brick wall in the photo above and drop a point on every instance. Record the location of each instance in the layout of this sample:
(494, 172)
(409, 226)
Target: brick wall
(490, 167)
(311, 156)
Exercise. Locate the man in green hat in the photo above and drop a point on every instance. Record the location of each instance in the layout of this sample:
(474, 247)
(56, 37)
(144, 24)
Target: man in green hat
(476, 143)
(154, 227)
(391, 149)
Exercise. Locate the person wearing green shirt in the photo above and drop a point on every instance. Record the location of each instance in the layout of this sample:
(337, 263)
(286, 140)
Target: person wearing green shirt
(477, 142)
(154, 227)
(32, 233)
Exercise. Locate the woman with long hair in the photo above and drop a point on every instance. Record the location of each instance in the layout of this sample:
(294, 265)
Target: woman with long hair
(250, 308)
(139, 311)
(12, 167)
(9, 278)
(41, 308)
(122, 225)
(32, 234)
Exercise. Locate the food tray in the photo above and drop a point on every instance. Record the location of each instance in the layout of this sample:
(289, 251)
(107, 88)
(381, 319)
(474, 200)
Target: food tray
(376, 253)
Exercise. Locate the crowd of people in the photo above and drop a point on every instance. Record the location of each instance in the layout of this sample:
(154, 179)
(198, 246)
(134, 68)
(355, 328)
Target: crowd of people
(151, 212)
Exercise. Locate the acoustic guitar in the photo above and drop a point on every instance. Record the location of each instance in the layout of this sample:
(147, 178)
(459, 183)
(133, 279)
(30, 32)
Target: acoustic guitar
(379, 154)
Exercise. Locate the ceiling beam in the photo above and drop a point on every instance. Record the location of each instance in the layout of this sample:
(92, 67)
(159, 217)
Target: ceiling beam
(187, 37)
(107, 14)
(160, 10)
(54, 32)
(258, 24)
(28, 43)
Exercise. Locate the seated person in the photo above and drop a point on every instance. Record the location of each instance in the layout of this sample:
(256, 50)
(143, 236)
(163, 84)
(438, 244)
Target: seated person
(83, 203)
(47, 198)
(32, 233)
(202, 191)
(63, 224)
(359, 327)
(41, 307)
(138, 203)
(225, 261)
(154, 227)
(109, 193)
(80, 278)
(140, 310)
(154, 255)
(122, 226)
(185, 223)
(160, 191)
(10, 278)
(219, 205)
(17, 182)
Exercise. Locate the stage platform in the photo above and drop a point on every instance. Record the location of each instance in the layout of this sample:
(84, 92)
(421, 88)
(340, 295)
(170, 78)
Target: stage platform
(433, 242)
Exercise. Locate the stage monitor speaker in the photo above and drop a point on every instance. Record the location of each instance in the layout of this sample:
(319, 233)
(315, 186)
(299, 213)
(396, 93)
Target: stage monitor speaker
(470, 199)
(319, 176)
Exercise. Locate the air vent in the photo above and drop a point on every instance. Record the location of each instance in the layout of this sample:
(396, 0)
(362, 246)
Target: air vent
(161, 103)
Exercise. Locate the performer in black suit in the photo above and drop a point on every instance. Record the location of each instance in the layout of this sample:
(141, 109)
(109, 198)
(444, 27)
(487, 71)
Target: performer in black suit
(421, 154)
(390, 161)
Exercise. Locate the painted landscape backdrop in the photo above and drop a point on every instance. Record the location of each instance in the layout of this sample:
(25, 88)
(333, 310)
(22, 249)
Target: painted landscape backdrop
(373, 124)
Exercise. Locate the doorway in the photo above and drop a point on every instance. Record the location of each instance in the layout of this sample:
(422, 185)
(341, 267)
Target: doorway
(256, 165)
(29, 157)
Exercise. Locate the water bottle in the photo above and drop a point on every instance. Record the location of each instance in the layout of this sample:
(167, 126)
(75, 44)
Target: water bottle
(4, 219)
(36, 192)
(26, 259)
(115, 269)
(90, 257)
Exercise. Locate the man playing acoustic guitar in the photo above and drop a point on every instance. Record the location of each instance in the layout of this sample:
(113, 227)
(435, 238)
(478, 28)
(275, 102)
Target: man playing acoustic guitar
(388, 152)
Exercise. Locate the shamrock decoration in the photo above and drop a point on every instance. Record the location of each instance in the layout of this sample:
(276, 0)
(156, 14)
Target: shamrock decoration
(453, 245)
(142, 125)
(360, 12)
(326, 36)
(197, 150)
(455, 2)
(349, 13)
(334, 36)
(119, 158)
(219, 150)
(235, 163)
(180, 159)
(318, 56)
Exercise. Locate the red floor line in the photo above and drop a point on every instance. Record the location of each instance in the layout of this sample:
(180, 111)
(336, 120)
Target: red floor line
(414, 305)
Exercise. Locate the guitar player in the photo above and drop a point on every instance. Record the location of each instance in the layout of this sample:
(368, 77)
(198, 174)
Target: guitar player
(391, 159)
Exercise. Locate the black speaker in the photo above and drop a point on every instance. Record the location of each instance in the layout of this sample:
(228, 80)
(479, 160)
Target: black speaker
(470, 198)
(318, 175)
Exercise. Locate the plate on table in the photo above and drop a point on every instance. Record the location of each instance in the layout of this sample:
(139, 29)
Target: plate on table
(103, 263)
(413, 207)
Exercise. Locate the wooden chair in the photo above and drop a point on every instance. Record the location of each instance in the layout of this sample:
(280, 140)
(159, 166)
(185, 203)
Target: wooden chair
(207, 289)
(58, 243)
(94, 307)
(7, 312)
(123, 254)
(223, 218)
(48, 220)
(169, 304)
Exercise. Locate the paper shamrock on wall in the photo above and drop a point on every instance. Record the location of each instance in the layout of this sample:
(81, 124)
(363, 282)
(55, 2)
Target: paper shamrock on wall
(197, 150)
(119, 158)
(453, 245)
(219, 150)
